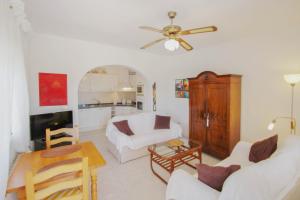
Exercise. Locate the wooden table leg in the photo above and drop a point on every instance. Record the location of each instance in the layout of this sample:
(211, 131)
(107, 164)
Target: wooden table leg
(200, 154)
(154, 172)
(94, 183)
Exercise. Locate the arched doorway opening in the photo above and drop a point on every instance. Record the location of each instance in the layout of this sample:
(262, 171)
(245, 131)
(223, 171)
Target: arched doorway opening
(108, 91)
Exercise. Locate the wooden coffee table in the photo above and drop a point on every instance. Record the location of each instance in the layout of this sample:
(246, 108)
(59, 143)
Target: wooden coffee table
(174, 153)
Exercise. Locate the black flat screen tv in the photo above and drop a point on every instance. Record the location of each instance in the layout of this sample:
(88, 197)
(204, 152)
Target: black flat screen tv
(39, 123)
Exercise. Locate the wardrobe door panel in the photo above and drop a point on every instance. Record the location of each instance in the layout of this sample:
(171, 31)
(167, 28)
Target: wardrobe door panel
(217, 137)
(197, 111)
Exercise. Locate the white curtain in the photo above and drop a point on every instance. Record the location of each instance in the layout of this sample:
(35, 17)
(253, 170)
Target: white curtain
(13, 92)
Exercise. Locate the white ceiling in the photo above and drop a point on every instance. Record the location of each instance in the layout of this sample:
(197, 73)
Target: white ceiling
(116, 22)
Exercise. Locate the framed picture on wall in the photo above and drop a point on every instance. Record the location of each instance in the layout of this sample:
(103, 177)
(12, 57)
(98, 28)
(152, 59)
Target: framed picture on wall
(53, 89)
(182, 88)
(154, 95)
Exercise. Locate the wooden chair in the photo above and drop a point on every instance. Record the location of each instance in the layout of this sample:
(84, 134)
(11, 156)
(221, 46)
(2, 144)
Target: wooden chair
(50, 141)
(66, 180)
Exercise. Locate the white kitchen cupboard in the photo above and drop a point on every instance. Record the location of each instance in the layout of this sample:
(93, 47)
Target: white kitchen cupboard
(103, 83)
(94, 118)
(98, 83)
(95, 82)
(125, 110)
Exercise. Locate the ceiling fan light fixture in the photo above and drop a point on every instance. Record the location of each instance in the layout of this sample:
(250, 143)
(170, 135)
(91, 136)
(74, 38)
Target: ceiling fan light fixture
(171, 45)
(172, 34)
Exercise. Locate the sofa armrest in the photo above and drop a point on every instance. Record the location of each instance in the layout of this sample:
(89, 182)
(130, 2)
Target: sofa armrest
(239, 155)
(183, 186)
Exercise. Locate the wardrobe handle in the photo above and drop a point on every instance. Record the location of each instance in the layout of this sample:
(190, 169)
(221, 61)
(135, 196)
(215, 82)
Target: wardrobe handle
(207, 120)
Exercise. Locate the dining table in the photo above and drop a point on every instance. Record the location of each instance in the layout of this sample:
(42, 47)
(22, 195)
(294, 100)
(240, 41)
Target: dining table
(36, 160)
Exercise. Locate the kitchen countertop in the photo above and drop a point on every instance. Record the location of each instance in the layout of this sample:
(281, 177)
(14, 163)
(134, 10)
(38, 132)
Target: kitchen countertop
(103, 105)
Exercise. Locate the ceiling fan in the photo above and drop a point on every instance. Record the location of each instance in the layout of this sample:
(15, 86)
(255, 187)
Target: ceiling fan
(172, 34)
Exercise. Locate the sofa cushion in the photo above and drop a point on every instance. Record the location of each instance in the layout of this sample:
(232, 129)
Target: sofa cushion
(123, 127)
(162, 122)
(240, 155)
(215, 176)
(183, 186)
(262, 181)
(141, 122)
(262, 150)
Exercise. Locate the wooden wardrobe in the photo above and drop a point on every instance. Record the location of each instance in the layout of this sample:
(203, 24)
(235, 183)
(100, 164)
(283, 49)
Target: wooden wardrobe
(215, 109)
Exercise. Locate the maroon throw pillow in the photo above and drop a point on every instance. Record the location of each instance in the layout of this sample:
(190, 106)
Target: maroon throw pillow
(215, 176)
(123, 127)
(162, 122)
(262, 150)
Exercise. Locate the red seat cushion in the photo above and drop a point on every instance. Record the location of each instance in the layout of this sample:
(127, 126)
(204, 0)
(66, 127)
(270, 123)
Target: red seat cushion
(162, 122)
(123, 127)
(262, 150)
(215, 176)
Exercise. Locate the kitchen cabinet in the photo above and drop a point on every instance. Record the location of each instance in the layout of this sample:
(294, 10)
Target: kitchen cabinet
(94, 118)
(125, 110)
(103, 83)
(126, 80)
(98, 83)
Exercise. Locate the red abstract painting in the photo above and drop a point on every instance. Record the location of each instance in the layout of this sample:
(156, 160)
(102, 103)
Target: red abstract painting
(53, 89)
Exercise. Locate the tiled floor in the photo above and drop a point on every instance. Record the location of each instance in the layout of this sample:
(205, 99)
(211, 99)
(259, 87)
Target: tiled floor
(130, 181)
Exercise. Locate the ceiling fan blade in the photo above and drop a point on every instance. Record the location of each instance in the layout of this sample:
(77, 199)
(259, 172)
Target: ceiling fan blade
(148, 28)
(184, 44)
(152, 43)
(199, 30)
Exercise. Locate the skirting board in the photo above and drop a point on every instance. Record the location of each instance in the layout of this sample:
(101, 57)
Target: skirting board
(127, 154)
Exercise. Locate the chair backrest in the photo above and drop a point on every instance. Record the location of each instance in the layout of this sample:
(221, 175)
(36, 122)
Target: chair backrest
(51, 140)
(53, 180)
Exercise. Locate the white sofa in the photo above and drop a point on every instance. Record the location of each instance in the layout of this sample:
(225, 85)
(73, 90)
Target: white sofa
(276, 178)
(126, 148)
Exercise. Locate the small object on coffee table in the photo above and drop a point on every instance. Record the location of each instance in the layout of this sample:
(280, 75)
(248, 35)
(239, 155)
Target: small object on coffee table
(172, 154)
(175, 143)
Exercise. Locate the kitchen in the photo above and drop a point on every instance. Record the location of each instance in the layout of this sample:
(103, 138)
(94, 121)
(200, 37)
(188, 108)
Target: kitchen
(105, 92)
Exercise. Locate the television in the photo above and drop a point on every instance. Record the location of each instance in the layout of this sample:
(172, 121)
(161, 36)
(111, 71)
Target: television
(39, 123)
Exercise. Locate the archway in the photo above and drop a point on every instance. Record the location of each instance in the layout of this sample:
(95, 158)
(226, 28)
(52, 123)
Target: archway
(110, 90)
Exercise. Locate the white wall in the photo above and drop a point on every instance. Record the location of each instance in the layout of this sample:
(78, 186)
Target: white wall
(6, 26)
(74, 57)
(261, 59)
(14, 109)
